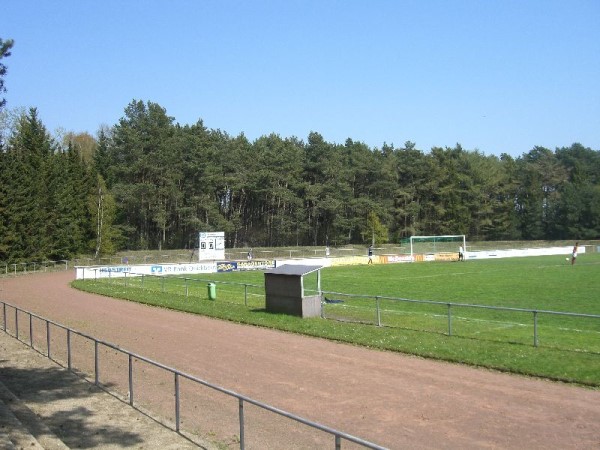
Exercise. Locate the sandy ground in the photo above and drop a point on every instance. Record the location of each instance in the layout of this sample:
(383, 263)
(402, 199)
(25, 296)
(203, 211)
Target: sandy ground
(391, 399)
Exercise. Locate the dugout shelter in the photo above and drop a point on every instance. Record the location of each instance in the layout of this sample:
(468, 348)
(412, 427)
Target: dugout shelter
(284, 291)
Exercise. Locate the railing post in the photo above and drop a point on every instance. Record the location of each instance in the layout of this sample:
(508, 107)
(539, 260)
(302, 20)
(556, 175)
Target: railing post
(449, 319)
(4, 316)
(126, 283)
(338, 442)
(186, 286)
(162, 284)
(241, 412)
(535, 337)
(322, 307)
(17, 323)
(96, 363)
(30, 330)
(69, 348)
(378, 311)
(245, 294)
(48, 338)
(130, 379)
(176, 402)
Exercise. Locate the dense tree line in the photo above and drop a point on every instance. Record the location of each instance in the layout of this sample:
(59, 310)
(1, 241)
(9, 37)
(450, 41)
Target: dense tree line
(42, 196)
(150, 183)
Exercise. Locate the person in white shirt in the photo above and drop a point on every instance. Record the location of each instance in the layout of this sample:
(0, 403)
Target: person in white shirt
(574, 254)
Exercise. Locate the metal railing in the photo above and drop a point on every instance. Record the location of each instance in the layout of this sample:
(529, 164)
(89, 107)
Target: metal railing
(373, 313)
(377, 310)
(170, 257)
(266, 253)
(186, 287)
(34, 267)
(177, 376)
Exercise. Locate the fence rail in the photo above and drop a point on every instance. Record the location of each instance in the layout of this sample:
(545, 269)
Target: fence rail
(337, 436)
(236, 254)
(378, 311)
(34, 267)
(188, 287)
(375, 309)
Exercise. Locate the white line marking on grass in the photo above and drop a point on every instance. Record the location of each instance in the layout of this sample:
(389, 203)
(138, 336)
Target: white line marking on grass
(505, 326)
(464, 319)
(577, 330)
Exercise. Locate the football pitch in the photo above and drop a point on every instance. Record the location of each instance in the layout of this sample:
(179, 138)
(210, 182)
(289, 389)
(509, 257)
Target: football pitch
(493, 313)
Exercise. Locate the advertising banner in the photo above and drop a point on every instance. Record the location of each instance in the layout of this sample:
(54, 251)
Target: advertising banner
(392, 259)
(255, 264)
(120, 271)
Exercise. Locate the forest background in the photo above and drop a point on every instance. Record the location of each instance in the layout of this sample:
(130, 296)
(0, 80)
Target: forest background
(149, 182)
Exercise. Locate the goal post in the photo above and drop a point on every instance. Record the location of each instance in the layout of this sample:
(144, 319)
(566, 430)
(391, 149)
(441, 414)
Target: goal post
(427, 245)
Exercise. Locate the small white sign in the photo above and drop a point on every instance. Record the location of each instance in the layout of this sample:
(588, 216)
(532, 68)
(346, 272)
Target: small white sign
(211, 245)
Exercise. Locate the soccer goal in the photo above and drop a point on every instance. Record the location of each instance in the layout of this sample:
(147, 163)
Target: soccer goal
(437, 245)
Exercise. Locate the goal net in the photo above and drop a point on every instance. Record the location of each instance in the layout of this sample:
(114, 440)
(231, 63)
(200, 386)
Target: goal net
(437, 245)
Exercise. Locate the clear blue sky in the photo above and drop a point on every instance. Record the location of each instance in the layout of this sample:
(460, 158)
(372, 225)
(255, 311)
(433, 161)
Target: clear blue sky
(499, 76)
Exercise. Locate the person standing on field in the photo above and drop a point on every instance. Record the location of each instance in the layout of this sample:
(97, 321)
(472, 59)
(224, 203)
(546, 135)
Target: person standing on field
(370, 254)
(461, 254)
(574, 253)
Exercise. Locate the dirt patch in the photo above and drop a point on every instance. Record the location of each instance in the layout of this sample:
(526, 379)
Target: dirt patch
(394, 400)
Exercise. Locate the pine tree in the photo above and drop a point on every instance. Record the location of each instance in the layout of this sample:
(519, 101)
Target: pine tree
(5, 47)
(29, 153)
(4, 219)
(69, 219)
(102, 211)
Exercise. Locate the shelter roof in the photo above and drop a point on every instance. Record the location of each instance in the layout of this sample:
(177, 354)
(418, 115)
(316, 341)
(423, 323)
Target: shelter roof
(294, 269)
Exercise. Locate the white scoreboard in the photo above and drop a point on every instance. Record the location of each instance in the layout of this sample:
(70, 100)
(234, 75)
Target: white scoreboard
(211, 245)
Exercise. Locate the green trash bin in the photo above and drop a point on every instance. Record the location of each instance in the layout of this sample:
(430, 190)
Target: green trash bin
(212, 291)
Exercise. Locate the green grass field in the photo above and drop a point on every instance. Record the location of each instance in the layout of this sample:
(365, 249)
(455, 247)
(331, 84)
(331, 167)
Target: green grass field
(568, 348)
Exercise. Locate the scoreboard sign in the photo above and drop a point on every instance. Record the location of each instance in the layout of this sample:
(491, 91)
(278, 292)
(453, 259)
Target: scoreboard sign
(211, 245)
